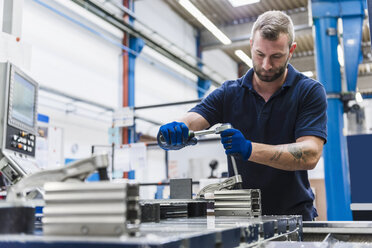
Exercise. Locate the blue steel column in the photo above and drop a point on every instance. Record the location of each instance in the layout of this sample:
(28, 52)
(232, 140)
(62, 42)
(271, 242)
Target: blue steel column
(328, 71)
(136, 44)
(203, 85)
(352, 13)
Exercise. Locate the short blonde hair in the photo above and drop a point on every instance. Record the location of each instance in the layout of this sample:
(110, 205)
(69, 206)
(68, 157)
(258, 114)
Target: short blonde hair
(271, 24)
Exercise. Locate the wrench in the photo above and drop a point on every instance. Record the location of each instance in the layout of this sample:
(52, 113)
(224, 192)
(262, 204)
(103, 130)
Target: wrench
(193, 134)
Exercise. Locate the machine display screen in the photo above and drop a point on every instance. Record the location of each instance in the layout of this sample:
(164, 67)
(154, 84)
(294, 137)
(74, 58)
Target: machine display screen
(23, 105)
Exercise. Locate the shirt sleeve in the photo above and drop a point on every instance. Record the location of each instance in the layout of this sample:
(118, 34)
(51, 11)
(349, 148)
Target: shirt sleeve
(211, 108)
(312, 118)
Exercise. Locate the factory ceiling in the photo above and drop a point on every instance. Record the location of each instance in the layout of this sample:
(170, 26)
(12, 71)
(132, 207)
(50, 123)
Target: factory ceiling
(236, 23)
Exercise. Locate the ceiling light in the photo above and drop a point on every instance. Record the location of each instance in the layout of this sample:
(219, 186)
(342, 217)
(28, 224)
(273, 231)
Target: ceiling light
(238, 3)
(244, 57)
(308, 73)
(205, 21)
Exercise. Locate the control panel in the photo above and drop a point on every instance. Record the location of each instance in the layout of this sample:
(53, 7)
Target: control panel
(18, 111)
(20, 141)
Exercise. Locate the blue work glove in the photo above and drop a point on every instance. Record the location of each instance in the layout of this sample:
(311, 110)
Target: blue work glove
(235, 144)
(174, 136)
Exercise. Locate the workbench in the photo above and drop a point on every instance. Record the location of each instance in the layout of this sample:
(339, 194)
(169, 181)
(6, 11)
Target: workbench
(195, 232)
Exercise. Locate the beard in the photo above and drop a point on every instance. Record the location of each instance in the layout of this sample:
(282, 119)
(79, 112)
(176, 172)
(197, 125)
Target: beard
(274, 73)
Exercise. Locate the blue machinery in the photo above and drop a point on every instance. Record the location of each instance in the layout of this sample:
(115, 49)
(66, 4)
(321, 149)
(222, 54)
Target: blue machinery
(325, 17)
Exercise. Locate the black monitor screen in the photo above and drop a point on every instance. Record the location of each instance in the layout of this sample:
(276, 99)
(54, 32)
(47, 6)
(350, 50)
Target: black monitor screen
(23, 105)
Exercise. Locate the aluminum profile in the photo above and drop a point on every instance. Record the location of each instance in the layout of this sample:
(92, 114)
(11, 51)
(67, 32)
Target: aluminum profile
(241, 202)
(90, 209)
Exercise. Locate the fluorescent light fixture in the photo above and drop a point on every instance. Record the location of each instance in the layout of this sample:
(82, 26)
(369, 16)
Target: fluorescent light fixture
(308, 73)
(358, 97)
(244, 57)
(238, 3)
(205, 21)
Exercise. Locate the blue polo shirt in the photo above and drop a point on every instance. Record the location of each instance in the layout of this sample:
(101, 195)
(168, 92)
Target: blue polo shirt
(297, 109)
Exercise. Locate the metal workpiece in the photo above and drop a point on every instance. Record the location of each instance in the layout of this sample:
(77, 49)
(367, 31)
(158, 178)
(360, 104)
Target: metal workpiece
(178, 208)
(78, 170)
(89, 209)
(228, 183)
(240, 202)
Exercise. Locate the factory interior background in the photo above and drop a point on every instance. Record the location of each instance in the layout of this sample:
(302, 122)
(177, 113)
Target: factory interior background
(104, 88)
(73, 52)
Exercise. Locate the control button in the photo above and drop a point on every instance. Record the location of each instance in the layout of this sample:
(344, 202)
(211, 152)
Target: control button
(20, 146)
(31, 137)
(23, 140)
(22, 134)
(15, 137)
(29, 149)
(25, 148)
(32, 143)
(29, 142)
(13, 144)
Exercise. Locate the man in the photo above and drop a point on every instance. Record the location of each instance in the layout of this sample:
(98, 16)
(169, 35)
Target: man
(279, 119)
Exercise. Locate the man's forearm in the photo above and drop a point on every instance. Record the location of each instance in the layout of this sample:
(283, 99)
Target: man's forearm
(295, 156)
(194, 121)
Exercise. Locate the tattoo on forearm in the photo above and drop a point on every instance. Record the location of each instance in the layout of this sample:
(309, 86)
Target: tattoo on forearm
(277, 155)
(296, 152)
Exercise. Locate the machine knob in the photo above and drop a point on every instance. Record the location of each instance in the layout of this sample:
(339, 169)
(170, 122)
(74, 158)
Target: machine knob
(22, 133)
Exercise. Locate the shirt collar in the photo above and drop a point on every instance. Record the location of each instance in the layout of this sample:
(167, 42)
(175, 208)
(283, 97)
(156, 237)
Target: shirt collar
(290, 79)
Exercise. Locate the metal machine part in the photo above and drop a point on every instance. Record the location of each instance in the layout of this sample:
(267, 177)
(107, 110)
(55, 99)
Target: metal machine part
(18, 109)
(177, 208)
(17, 218)
(19, 214)
(91, 209)
(78, 170)
(180, 188)
(150, 212)
(241, 202)
(234, 182)
(238, 185)
(230, 231)
(229, 183)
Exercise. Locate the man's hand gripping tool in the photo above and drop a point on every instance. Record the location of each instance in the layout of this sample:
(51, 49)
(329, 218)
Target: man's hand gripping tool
(193, 134)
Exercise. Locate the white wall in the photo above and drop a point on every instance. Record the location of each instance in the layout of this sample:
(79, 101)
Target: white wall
(70, 59)
(221, 63)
